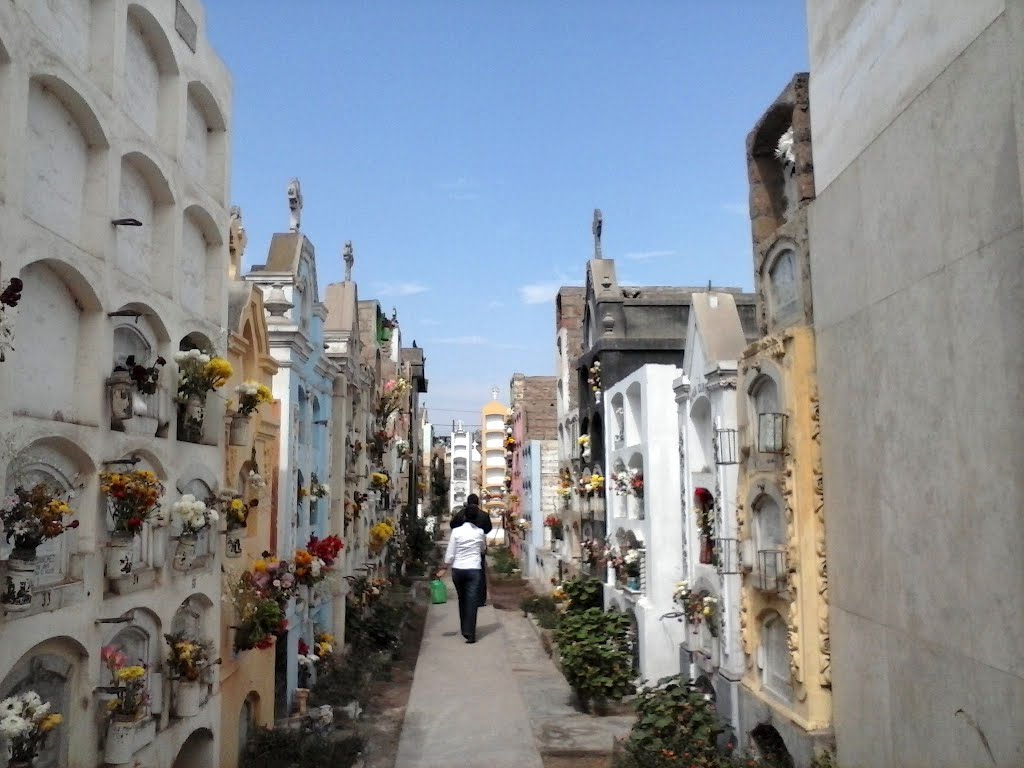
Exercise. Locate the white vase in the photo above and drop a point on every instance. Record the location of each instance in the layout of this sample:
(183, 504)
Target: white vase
(20, 580)
(233, 543)
(609, 576)
(185, 552)
(121, 737)
(120, 555)
(187, 696)
(239, 432)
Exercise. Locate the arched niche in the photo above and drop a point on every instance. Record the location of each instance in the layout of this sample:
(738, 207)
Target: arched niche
(65, 159)
(249, 717)
(150, 70)
(144, 194)
(776, 174)
(634, 503)
(633, 413)
(766, 413)
(701, 452)
(200, 483)
(205, 138)
(783, 283)
(597, 439)
(196, 751)
(203, 261)
(773, 655)
(770, 746)
(67, 470)
(618, 405)
(192, 618)
(55, 343)
(55, 669)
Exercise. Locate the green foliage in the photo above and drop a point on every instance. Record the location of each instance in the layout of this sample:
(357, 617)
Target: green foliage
(502, 561)
(418, 544)
(339, 680)
(377, 628)
(538, 604)
(547, 619)
(285, 747)
(593, 648)
(584, 593)
(674, 717)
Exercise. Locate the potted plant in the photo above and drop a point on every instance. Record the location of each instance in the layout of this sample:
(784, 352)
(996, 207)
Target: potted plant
(30, 516)
(188, 660)
(258, 614)
(9, 297)
(198, 373)
(132, 498)
(236, 512)
(632, 561)
(25, 722)
(195, 517)
(127, 709)
(251, 395)
(554, 524)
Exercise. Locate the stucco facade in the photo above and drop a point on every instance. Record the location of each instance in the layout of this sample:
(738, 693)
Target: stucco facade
(915, 244)
(111, 114)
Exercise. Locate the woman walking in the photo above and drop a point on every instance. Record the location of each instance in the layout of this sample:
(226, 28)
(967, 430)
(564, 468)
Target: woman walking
(465, 556)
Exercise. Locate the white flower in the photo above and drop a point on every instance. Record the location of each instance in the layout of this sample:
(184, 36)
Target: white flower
(11, 706)
(13, 726)
(203, 359)
(784, 149)
(212, 516)
(325, 490)
(41, 711)
(707, 697)
(31, 699)
(180, 357)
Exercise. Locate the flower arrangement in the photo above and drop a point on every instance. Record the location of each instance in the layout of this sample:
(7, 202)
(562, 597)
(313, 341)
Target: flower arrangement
(510, 443)
(9, 297)
(588, 486)
(594, 377)
(631, 560)
(259, 616)
(274, 578)
(251, 395)
(132, 498)
(629, 482)
(699, 607)
(200, 372)
(394, 392)
(256, 480)
(380, 535)
(194, 514)
(704, 503)
(379, 481)
(563, 492)
(404, 449)
(129, 684)
(236, 511)
(784, 148)
(33, 515)
(145, 377)
(559, 595)
(588, 551)
(25, 721)
(309, 569)
(323, 643)
(365, 591)
(326, 549)
(555, 524)
(317, 489)
(302, 493)
(306, 658)
(583, 440)
(187, 658)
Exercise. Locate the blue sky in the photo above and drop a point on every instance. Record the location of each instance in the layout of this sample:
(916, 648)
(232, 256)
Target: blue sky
(462, 147)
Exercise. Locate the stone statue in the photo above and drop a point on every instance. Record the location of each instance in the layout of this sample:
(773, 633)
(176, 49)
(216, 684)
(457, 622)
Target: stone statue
(295, 205)
(237, 239)
(596, 229)
(350, 259)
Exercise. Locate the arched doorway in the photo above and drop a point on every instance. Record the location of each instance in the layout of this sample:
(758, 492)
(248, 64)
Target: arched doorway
(770, 747)
(197, 751)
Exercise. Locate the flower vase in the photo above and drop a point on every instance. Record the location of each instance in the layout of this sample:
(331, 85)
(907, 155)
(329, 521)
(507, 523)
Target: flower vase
(185, 552)
(633, 582)
(119, 748)
(120, 386)
(706, 550)
(239, 432)
(187, 696)
(120, 555)
(20, 580)
(142, 422)
(191, 414)
(609, 575)
(233, 543)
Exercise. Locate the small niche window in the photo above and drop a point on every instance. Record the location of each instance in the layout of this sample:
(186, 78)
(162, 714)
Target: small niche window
(783, 287)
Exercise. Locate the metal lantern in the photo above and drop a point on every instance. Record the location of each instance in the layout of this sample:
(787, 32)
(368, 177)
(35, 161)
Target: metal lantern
(771, 432)
(726, 447)
(771, 570)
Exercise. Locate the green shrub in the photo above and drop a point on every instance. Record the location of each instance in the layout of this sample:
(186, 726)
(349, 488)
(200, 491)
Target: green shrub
(375, 629)
(593, 648)
(547, 619)
(339, 680)
(584, 593)
(538, 604)
(285, 748)
(502, 561)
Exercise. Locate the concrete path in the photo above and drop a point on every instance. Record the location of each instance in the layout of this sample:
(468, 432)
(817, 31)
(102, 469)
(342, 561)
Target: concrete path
(465, 709)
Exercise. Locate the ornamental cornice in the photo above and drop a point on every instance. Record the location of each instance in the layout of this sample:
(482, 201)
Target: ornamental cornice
(769, 346)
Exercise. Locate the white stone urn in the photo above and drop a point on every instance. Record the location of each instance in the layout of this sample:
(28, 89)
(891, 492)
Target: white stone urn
(233, 542)
(186, 697)
(239, 434)
(20, 580)
(120, 386)
(122, 736)
(193, 412)
(119, 556)
(185, 552)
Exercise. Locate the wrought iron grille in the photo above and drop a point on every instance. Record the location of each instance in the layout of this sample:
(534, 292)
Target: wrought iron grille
(771, 432)
(726, 447)
(727, 558)
(770, 575)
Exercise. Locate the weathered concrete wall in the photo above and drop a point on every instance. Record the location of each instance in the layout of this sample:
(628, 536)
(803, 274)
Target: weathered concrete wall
(916, 254)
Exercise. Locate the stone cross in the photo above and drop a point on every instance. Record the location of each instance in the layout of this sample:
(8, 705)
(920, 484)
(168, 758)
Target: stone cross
(295, 205)
(494, 393)
(350, 259)
(596, 229)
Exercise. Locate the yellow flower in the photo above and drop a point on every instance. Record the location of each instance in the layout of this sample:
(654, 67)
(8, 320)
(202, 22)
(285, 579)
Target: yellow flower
(218, 370)
(259, 566)
(50, 722)
(130, 674)
(264, 394)
(237, 505)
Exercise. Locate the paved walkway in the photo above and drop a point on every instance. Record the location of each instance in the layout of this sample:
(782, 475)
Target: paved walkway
(498, 703)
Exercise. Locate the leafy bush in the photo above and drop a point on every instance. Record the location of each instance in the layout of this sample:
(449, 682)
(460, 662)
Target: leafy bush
(503, 561)
(593, 648)
(339, 680)
(538, 604)
(285, 748)
(547, 619)
(584, 593)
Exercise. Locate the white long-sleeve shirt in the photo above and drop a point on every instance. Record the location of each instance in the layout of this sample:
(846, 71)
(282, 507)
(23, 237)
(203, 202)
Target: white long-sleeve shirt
(465, 547)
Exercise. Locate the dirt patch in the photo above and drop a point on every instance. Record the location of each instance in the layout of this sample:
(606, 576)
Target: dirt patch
(506, 593)
(381, 723)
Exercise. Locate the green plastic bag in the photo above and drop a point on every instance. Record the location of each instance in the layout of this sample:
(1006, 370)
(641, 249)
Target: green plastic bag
(438, 592)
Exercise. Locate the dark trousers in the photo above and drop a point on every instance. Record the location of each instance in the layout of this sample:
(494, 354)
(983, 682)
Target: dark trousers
(468, 582)
(483, 579)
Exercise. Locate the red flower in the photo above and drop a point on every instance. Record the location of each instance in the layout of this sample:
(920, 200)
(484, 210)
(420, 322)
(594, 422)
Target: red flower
(134, 523)
(303, 648)
(326, 549)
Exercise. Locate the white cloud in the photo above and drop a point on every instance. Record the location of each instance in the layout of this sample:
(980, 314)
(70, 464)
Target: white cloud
(740, 209)
(648, 255)
(399, 289)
